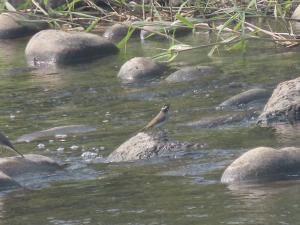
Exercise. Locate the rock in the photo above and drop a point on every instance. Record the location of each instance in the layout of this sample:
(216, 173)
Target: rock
(15, 25)
(7, 182)
(222, 120)
(118, 31)
(263, 164)
(60, 47)
(56, 131)
(31, 163)
(246, 97)
(145, 146)
(140, 68)
(190, 73)
(296, 13)
(164, 32)
(283, 105)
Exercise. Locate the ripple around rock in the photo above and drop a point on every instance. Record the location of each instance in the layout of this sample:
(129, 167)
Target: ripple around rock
(140, 68)
(145, 146)
(62, 130)
(263, 164)
(59, 47)
(191, 73)
(283, 105)
(15, 25)
(246, 97)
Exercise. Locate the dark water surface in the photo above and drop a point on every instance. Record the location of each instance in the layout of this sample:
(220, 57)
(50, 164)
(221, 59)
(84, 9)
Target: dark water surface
(181, 188)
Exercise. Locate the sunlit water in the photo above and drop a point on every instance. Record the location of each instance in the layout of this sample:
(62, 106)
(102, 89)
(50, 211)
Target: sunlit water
(180, 188)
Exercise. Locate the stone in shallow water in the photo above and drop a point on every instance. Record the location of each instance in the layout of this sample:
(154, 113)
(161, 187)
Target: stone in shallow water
(62, 130)
(15, 25)
(145, 145)
(246, 97)
(264, 164)
(60, 47)
(191, 73)
(118, 31)
(140, 68)
(283, 105)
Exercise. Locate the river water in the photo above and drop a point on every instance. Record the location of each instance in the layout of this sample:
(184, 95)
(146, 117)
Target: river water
(180, 188)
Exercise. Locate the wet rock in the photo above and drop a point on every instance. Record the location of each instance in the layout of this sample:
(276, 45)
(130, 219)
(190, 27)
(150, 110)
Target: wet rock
(59, 47)
(14, 25)
(164, 32)
(145, 146)
(246, 97)
(31, 163)
(7, 182)
(56, 131)
(263, 164)
(283, 105)
(191, 73)
(140, 68)
(118, 31)
(222, 120)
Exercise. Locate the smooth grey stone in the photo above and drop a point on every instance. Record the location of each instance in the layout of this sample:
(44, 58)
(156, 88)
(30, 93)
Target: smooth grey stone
(190, 73)
(283, 105)
(118, 31)
(140, 68)
(31, 163)
(15, 25)
(156, 32)
(263, 164)
(246, 97)
(60, 47)
(145, 145)
(62, 130)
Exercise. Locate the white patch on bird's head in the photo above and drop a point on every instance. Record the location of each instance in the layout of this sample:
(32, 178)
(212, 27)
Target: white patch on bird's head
(165, 108)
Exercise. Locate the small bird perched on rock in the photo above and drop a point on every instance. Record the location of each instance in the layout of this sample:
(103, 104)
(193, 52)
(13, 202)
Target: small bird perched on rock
(159, 119)
(5, 143)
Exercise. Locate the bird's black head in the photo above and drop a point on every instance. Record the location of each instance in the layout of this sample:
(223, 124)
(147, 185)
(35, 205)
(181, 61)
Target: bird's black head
(165, 108)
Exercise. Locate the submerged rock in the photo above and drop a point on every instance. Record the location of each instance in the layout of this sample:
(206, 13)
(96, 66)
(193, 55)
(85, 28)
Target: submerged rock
(191, 73)
(31, 163)
(246, 97)
(60, 47)
(140, 68)
(283, 105)
(6, 182)
(263, 164)
(56, 131)
(163, 32)
(145, 146)
(15, 25)
(222, 120)
(118, 31)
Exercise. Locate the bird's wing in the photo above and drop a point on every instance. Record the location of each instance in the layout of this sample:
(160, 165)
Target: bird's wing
(156, 120)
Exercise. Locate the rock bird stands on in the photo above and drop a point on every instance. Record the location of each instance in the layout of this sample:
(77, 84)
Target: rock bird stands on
(159, 119)
(6, 144)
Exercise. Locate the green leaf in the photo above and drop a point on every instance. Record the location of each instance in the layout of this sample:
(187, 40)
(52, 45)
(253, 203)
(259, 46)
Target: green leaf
(92, 25)
(184, 21)
(10, 7)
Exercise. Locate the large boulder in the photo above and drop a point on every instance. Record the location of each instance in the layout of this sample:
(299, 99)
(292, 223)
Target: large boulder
(140, 68)
(145, 145)
(263, 164)
(60, 47)
(15, 25)
(56, 131)
(191, 73)
(246, 97)
(118, 31)
(283, 105)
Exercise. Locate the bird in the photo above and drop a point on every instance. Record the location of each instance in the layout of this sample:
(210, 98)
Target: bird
(159, 119)
(6, 144)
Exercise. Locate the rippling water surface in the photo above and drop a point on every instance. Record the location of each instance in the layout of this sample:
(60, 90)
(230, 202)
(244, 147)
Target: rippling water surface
(180, 188)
